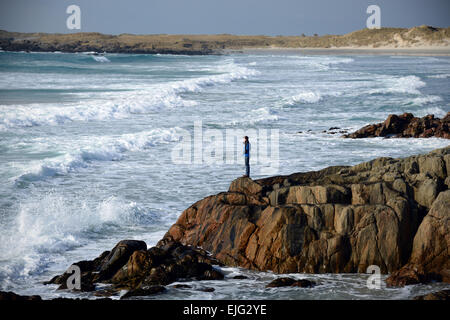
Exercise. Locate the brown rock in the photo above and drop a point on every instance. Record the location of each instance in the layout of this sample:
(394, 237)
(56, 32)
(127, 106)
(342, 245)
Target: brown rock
(145, 271)
(118, 256)
(430, 257)
(440, 295)
(339, 219)
(405, 126)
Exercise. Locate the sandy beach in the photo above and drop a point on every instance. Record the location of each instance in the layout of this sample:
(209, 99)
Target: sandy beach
(419, 51)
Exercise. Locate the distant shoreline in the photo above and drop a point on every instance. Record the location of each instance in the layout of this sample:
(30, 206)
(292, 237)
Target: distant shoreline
(423, 40)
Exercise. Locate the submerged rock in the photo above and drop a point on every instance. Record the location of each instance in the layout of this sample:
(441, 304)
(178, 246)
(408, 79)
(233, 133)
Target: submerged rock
(440, 295)
(143, 291)
(406, 126)
(289, 282)
(339, 219)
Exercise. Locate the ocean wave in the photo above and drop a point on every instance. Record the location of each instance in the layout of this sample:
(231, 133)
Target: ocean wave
(407, 84)
(121, 105)
(304, 97)
(262, 115)
(426, 99)
(436, 111)
(440, 76)
(47, 225)
(100, 58)
(104, 149)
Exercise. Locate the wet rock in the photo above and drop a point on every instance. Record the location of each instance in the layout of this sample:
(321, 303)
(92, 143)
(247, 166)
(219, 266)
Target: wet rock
(145, 271)
(240, 277)
(118, 256)
(143, 291)
(103, 267)
(443, 295)
(290, 282)
(181, 286)
(11, 296)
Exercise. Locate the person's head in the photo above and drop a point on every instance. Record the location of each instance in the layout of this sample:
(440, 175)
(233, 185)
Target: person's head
(245, 139)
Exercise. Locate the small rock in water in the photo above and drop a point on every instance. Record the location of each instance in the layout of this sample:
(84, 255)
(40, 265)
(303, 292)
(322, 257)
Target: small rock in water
(181, 286)
(289, 282)
(144, 291)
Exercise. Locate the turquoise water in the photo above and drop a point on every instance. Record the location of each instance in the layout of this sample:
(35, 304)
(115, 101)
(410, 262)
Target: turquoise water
(86, 146)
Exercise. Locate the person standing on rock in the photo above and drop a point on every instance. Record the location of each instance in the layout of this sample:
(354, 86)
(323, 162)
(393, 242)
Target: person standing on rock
(247, 156)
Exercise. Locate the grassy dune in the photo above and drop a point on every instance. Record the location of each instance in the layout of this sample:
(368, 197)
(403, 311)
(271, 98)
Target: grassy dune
(391, 38)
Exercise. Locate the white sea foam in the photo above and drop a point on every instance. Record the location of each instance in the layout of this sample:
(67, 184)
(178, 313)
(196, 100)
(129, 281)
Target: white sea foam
(436, 111)
(422, 100)
(101, 59)
(440, 76)
(120, 105)
(407, 84)
(48, 225)
(304, 97)
(262, 115)
(99, 149)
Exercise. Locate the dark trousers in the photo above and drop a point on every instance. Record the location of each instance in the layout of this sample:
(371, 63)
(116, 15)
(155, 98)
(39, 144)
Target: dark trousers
(247, 166)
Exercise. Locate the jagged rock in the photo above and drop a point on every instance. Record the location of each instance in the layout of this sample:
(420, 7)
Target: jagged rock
(339, 219)
(118, 257)
(11, 296)
(406, 126)
(130, 266)
(101, 268)
(440, 295)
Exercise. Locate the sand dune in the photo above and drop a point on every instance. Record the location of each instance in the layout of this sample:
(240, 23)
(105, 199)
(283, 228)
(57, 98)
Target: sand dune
(423, 38)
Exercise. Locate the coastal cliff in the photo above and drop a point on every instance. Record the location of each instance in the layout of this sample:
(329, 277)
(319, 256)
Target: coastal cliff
(392, 213)
(387, 38)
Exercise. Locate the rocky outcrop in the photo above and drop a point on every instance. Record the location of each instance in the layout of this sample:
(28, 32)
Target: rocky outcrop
(406, 126)
(130, 266)
(385, 212)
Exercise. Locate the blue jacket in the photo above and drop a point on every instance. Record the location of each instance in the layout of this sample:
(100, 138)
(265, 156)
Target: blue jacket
(247, 149)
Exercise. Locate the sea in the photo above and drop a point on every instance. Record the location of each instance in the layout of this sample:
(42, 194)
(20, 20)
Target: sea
(90, 149)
